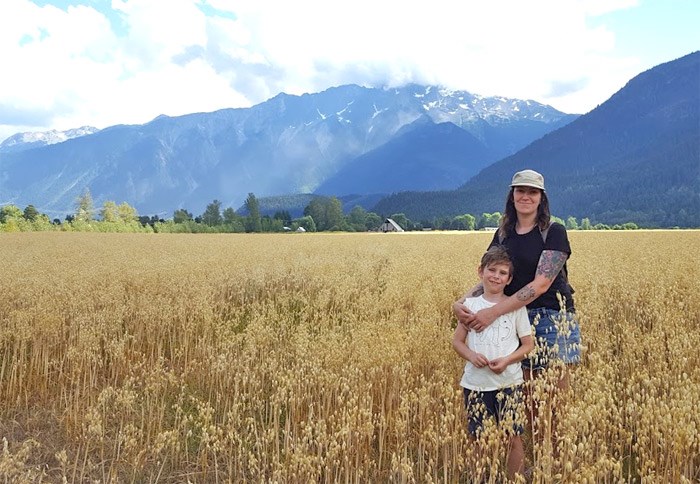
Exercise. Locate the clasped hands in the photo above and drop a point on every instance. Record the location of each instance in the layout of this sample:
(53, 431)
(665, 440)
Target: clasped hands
(477, 321)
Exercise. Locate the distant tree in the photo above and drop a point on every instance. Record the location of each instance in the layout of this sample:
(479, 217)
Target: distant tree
(489, 220)
(109, 212)
(30, 213)
(571, 223)
(373, 221)
(127, 214)
(335, 220)
(253, 222)
(84, 207)
(181, 216)
(57, 221)
(307, 222)
(558, 220)
(357, 218)
(464, 222)
(586, 224)
(10, 212)
(230, 216)
(212, 214)
(270, 224)
(284, 216)
(317, 212)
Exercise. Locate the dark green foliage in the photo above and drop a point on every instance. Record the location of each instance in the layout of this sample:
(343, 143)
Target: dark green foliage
(253, 221)
(212, 214)
(31, 213)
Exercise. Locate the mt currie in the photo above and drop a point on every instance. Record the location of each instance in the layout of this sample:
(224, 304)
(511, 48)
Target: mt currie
(345, 140)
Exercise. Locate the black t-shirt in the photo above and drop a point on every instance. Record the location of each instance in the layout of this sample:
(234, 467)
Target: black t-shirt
(525, 251)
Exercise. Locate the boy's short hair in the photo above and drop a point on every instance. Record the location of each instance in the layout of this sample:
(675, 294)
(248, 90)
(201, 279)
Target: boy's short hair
(496, 255)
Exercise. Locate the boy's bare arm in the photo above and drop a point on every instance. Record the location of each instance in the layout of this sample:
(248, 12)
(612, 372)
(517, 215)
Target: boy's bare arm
(527, 344)
(459, 343)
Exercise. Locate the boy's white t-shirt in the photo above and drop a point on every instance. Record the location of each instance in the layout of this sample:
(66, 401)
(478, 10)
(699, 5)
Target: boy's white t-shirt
(501, 338)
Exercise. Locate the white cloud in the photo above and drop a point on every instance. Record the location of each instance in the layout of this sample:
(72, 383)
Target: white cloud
(76, 66)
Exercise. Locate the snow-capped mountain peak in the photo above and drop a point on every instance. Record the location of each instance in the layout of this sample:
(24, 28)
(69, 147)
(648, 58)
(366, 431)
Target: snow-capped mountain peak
(35, 139)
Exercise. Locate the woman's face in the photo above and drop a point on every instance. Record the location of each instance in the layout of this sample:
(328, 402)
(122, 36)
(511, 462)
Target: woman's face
(526, 200)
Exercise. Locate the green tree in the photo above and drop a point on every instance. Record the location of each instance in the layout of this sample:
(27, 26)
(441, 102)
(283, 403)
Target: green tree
(128, 214)
(212, 214)
(464, 222)
(284, 216)
(373, 221)
(109, 212)
(84, 207)
(489, 220)
(31, 213)
(316, 211)
(571, 223)
(357, 218)
(181, 216)
(270, 224)
(10, 212)
(307, 222)
(253, 221)
(335, 220)
(586, 224)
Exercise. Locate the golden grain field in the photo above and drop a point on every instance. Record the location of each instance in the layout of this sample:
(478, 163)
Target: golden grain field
(324, 358)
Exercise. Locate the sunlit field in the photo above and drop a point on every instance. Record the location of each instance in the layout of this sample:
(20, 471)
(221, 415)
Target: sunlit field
(325, 358)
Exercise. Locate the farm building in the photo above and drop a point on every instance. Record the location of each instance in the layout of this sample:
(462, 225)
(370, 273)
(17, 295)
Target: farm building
(390, 226)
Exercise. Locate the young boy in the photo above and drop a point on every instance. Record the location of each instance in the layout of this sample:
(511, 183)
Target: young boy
(493, 375)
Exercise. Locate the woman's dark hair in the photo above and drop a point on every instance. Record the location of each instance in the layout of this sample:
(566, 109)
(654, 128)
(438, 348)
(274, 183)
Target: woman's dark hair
(510, 216)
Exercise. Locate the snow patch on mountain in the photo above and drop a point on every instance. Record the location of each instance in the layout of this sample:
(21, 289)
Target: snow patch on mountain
(35, 139)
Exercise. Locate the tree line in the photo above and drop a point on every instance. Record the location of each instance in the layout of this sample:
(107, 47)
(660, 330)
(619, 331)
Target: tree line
(322, 214)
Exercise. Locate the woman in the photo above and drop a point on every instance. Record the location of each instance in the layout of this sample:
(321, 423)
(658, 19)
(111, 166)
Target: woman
(539, 250)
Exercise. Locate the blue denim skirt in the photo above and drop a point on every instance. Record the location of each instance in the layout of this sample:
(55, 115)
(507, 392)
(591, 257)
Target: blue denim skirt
(557, 338)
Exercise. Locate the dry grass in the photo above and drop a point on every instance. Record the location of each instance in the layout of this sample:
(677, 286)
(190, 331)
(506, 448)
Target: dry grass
(324, 358)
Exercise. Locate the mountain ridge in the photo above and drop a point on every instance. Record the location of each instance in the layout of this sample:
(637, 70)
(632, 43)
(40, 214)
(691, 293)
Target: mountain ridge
(636, 157)
(288, 144)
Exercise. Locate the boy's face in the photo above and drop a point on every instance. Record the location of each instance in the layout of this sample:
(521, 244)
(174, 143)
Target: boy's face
(495, 277)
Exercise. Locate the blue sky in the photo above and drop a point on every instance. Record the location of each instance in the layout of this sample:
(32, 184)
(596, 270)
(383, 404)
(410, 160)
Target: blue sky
(98, 62)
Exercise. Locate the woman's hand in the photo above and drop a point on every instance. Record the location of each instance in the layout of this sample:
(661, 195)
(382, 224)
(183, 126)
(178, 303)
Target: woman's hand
(482, 319)
(463, 315)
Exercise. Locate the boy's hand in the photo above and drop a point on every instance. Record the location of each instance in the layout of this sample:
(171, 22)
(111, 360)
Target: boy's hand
(497, 365)
(479, 360)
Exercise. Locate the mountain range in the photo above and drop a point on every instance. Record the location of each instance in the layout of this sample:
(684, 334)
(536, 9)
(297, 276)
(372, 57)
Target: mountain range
(423, 151)
(386, 139)
(635, 158)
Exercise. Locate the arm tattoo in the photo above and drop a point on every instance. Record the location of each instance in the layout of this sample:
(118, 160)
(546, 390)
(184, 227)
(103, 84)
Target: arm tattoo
(551, 262)
(478, 291)
(526, 293)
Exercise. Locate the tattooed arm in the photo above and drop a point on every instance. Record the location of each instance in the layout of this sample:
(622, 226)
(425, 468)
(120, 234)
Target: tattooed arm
(549, 265)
